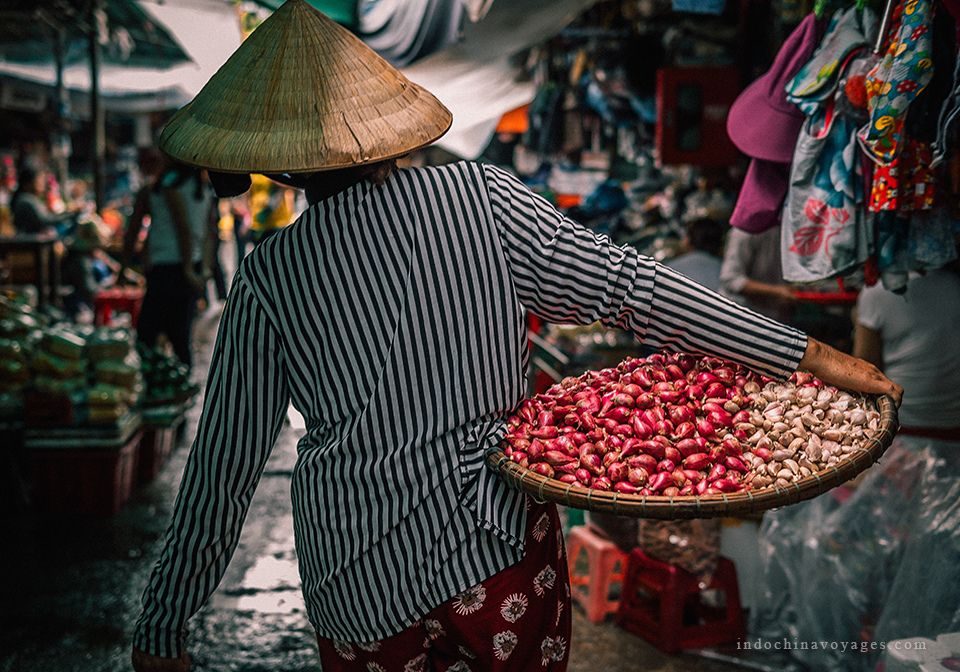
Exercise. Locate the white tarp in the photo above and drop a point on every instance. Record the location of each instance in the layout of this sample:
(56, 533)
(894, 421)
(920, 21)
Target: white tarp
(208, 31)
(475, 79)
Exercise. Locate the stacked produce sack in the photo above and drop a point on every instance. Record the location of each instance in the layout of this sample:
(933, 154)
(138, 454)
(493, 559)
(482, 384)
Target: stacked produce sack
(54, 373)
(58, 377)
(19, 334)
(117, 380)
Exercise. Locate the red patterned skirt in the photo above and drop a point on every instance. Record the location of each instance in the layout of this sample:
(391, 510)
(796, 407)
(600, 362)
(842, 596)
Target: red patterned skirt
(517, 620)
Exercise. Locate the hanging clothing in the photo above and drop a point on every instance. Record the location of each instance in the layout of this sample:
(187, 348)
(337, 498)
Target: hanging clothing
(823, 229)
(948, 115)
(905, 184)
(816, 82)
(895, 81)
(393, 317)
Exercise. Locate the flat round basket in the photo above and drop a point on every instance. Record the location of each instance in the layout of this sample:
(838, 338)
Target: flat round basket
(705, 506)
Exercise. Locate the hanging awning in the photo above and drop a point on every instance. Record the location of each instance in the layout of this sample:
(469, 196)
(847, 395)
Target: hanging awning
(128, 35)
(208, 32)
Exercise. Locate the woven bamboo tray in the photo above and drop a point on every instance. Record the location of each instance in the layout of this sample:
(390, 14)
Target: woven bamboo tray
(706, 506)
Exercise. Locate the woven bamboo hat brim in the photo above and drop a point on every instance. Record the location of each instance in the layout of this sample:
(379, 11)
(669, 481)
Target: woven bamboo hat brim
(303, 94)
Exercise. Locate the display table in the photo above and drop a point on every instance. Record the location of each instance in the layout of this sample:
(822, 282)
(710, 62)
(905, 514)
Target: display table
(89, 470)
(45, 262)
(160, 427)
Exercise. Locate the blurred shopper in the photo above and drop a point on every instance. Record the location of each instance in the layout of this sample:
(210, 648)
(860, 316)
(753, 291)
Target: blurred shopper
(915, 338)
(752, 274)
(392, 314)
(177, 254)
(701, 261)
(85, 267)
(29, 208)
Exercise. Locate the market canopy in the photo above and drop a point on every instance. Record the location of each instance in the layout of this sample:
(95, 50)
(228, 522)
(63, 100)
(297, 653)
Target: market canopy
(127, 34)
(206, 30)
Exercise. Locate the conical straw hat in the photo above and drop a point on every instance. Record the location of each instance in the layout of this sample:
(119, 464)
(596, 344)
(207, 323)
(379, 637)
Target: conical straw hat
(303, 94)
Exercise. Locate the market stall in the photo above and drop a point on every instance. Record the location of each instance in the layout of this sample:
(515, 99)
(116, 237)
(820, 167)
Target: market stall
(98, 415)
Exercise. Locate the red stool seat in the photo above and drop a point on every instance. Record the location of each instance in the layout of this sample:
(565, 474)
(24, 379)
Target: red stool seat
(663, 604)
(117, 299)
(605, 567)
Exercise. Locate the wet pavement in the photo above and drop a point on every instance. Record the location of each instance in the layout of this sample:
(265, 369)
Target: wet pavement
(71, 588)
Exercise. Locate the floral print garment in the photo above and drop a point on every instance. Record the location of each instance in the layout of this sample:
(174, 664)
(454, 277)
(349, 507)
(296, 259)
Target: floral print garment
(517, 620)
(894, 83)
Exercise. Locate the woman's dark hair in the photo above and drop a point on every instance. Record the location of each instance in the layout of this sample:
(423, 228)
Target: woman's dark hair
(707, 236)
(374, 172)
(325, 183)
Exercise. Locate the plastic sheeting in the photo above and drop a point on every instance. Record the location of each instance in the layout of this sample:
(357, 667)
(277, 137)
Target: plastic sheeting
(880, 565)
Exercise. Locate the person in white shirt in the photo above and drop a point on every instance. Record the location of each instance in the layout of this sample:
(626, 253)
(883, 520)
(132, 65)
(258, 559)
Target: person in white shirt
(752, 273)
(178, 254)
(914, 339)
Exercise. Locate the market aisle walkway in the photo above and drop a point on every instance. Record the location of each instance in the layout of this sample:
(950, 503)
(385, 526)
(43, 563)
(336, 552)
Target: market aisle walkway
(71, 588)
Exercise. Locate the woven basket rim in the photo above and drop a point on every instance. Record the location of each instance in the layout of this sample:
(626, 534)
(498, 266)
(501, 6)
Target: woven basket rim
(545, 489)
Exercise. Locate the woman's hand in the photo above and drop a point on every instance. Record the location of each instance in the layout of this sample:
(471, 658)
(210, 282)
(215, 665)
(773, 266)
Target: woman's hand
(835, 368)
(144, 662)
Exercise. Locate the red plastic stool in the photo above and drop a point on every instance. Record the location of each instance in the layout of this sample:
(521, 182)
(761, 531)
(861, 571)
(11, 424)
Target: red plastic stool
(592, 590)
(663, 604)
(117, 299)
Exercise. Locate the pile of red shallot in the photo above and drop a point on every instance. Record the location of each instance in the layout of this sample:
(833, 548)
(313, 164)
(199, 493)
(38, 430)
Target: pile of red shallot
(679, 425)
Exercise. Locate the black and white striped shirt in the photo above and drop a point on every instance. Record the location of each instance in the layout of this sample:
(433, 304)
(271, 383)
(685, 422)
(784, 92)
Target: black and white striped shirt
(393, 318)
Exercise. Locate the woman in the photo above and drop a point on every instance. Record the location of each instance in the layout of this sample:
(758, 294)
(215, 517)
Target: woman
(178, 252)
(30, 213)
(392, 315)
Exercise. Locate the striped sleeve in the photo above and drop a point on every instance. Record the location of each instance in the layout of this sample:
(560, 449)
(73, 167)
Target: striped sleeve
(565, 273)
(245, 403)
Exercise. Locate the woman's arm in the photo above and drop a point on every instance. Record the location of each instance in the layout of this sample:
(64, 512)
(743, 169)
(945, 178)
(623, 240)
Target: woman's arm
(765, 290)
(566, 273)
(141, 208)
(243, 409)
(854, 373)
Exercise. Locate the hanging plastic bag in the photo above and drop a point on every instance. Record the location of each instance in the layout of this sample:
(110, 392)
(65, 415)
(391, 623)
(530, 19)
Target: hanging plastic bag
(881, 564)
